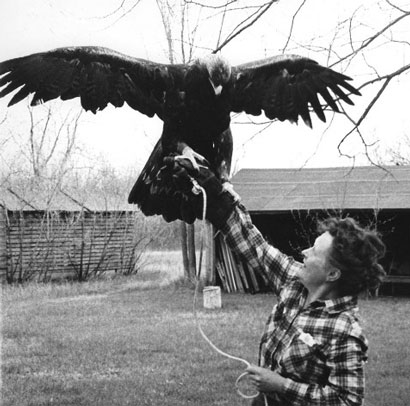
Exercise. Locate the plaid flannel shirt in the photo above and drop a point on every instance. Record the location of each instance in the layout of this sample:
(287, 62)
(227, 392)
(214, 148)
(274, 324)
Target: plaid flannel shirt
(321, 347)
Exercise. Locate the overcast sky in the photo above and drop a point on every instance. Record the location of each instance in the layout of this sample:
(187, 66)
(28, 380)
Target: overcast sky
(125, 137)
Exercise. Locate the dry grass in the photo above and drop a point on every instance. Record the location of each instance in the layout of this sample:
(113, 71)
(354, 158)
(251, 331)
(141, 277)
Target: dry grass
(133, 341)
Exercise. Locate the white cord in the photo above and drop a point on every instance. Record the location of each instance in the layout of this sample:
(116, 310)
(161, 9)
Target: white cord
(198, 324)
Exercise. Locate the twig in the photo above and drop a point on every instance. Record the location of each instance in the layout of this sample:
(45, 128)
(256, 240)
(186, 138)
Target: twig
(371, 39)
(195, 3)
(396, 7)
(292, 24)
(363, 116)
(124, 14)
(82, 205)
(221, 27)
(388, 76)
(9, 189)
(262, 10)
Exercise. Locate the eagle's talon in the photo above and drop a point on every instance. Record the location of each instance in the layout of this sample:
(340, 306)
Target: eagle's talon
(228, 187)
(193, 157)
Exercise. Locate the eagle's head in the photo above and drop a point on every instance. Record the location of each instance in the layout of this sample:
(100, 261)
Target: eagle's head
(219, 71)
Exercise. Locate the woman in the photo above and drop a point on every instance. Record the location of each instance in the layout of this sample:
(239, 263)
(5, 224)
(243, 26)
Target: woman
(313, 349)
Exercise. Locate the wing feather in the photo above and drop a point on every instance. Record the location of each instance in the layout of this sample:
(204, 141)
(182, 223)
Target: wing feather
(287, 87)
(302, 104)
(321, 87)
(20, 95)
(10, 87)
(98, 76)
(314, 102)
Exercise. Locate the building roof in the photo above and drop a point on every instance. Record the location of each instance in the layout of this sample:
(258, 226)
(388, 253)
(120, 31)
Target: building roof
(261, 190)
(17, 197)
(368, 187)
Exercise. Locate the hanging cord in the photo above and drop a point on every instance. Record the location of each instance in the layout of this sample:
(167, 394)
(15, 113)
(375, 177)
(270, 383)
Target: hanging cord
(197, 189)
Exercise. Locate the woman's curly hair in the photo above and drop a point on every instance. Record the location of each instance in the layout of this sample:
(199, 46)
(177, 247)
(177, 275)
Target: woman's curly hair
(356, 252)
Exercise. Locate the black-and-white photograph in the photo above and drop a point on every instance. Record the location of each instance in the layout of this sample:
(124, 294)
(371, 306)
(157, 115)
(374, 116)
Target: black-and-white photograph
(204, 202)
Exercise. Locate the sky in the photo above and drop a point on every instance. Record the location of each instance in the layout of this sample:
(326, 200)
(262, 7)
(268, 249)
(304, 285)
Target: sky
(124, 138)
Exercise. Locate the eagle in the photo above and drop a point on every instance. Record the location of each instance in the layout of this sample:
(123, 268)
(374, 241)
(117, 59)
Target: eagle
(194, 101)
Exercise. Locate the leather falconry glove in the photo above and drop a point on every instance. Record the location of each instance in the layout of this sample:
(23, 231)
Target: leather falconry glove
(220, 202)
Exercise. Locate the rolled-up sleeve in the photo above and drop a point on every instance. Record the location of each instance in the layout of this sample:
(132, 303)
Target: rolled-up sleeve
(245, 240)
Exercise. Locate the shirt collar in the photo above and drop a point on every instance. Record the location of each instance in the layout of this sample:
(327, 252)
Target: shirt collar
(341, 304)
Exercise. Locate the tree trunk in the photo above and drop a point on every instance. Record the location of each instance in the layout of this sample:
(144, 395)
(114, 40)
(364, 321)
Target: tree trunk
(184, 249)
(191, 251)
(210, 276)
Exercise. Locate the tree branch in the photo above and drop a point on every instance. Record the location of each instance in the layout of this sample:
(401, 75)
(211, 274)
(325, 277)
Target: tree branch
(363, 116)
(237, 31)
(369, 40)
(117, 10)
(388, 76)
(195, 3)
(396, 7)
(292, 24)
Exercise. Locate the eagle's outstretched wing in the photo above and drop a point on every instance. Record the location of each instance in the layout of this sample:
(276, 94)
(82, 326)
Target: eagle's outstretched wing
(285, 87)
(97, 75)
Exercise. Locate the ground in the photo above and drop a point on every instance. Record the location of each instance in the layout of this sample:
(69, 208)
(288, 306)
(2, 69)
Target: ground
(133, 341)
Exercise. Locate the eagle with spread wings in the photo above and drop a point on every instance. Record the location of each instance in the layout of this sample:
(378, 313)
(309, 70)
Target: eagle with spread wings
(193, 100)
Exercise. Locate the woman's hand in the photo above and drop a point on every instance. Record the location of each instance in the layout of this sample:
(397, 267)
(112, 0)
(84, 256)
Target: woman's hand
(266, 380)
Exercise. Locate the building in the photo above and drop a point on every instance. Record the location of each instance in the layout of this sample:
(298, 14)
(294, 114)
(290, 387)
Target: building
(44, 234)
(285, 205)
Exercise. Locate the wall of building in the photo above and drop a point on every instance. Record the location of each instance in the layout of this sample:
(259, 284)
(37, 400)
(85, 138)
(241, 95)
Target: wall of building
(293, 231)
(3, 247)
(40, 245)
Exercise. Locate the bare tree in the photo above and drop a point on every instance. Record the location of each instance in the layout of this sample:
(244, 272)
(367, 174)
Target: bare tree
(44, 142)
(42, 154)
(356, 43)
(396, 154)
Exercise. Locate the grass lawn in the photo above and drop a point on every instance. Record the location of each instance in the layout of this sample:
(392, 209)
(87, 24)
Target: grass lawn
(130, 342)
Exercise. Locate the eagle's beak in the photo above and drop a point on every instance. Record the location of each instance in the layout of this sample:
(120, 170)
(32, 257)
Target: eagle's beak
(217, 89)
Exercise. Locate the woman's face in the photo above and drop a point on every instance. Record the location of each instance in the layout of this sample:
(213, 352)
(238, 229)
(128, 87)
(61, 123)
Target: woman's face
(315, 272)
